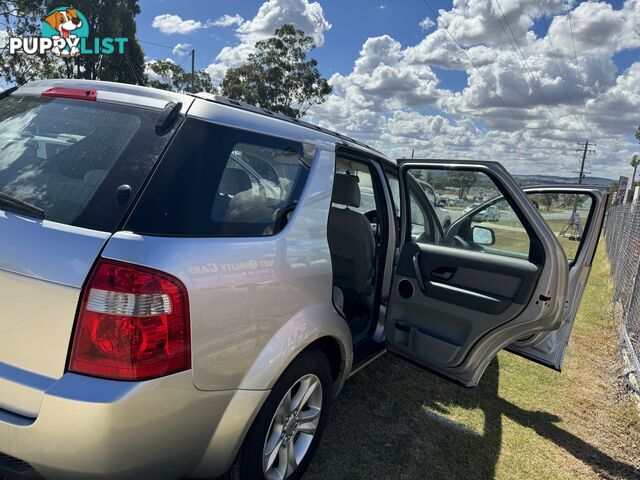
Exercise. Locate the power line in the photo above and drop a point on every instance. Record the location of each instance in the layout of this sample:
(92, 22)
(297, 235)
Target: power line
(575, 56)
(504, 102)
(534, 80)
(156, 44)
(555, 58)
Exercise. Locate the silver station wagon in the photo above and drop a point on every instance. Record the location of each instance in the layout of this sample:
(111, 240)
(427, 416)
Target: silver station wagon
(187, 281)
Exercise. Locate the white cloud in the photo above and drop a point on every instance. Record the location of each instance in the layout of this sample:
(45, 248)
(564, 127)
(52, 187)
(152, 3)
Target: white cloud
(380, 101)
(394, 100)
(426, 23)
(181, 48)
(228, 21)
(171, 24)
(303, 14)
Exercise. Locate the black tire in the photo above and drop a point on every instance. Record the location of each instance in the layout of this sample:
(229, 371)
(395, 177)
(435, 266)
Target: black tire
(248, 462)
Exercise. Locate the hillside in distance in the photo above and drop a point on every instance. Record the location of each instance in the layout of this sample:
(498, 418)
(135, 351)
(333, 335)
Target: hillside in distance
(525, 180)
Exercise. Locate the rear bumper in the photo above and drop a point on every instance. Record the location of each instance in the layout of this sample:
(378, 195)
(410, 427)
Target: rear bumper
(164, 428)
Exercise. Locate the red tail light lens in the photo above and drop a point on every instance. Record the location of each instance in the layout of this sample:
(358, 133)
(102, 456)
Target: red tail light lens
(133, 324)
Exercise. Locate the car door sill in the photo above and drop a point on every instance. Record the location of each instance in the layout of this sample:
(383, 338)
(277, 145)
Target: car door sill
(373, 351)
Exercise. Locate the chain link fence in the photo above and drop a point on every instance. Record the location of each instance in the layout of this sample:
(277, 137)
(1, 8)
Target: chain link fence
(622, 235)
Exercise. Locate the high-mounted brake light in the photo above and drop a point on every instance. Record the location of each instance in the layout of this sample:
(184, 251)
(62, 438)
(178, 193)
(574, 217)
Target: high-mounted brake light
(133, 324)
(72, 93)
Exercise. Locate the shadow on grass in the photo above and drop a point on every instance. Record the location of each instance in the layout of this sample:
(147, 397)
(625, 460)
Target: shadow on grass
(390, 423)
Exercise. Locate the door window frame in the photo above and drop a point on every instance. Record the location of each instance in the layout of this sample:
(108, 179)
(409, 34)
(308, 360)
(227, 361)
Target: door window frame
(536, 251)
(587, 226)
(423, 203)
(385, 255)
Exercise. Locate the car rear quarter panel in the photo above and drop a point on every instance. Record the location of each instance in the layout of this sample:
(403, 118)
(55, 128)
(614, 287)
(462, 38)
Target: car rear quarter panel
(42, 268)
(255, 303)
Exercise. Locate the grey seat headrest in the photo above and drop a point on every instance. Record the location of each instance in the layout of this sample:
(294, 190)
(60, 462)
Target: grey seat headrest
(234, 181)
(346, 190)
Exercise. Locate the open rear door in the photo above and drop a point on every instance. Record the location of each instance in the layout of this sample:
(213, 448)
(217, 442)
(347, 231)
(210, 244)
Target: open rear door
(492, 279)
(575, 214)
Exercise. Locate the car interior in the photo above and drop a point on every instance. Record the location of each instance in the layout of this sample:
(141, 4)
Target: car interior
(355, 238)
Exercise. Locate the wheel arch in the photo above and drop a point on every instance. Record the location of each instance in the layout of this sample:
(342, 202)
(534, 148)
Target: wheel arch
(331, 336)
(318, 326)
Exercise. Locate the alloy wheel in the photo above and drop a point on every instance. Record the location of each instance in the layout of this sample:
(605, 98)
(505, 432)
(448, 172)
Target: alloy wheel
(293, 428)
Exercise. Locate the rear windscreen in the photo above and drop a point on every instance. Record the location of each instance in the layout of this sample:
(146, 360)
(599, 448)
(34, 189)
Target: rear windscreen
(68, 157)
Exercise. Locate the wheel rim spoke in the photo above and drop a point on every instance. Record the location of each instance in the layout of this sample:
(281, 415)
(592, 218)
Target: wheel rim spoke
(271, 456)
(307, 387)
(285, 406)
(308, 422)
(292, 463)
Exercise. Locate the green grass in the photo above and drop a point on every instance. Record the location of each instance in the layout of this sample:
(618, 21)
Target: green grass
(524, 421)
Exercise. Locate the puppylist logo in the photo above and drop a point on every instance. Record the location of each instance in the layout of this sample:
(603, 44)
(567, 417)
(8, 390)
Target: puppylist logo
(65, 33)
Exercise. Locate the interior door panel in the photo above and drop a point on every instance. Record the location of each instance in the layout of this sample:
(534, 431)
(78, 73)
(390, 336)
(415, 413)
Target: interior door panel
(453, 306)
(448, 299)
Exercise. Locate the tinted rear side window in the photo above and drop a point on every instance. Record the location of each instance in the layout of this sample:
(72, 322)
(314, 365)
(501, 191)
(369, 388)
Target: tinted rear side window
(68, 157)
(220, 181)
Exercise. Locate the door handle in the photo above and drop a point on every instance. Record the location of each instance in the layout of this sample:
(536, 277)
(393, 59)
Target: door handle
(443, 273)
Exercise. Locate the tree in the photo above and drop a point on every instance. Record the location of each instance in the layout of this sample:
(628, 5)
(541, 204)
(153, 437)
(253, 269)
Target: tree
(22, 18)
(548, 199)
(113, 18)
(461, 180)
(278, 75)
(172, 76)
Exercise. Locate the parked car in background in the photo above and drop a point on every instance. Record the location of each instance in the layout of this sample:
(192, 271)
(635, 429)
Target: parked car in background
(187, 281)
(470, 207)
(490, 214)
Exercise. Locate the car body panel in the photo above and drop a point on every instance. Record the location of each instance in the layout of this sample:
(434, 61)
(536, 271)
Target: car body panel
(39, 296)
(536, 315)
(160, 429)
(548, 348)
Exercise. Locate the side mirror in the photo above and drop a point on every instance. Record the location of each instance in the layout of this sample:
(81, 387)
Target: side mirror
(441, 203)
(483, 236)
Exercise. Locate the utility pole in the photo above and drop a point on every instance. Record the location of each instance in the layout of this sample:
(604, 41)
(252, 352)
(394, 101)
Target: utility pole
(573, 229)
(584, 158)
(193, 71)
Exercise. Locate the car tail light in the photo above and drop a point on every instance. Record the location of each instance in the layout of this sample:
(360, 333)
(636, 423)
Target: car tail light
(133, 324)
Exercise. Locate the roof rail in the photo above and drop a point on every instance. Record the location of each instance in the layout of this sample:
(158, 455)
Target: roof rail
(263, 111)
